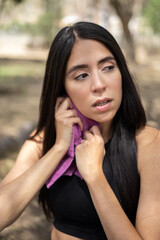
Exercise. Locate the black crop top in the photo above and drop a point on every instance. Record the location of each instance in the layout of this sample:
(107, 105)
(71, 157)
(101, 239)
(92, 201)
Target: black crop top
(73, 210)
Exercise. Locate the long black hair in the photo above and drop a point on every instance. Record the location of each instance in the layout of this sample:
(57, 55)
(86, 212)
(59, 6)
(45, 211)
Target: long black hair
(129, 118)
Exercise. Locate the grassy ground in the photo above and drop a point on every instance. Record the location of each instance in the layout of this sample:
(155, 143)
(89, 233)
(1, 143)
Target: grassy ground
(20, 87)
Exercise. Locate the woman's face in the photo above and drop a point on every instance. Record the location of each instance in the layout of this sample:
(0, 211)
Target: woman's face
(93, 80)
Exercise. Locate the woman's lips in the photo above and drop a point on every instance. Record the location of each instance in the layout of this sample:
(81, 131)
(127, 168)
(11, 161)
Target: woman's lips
(102, 104)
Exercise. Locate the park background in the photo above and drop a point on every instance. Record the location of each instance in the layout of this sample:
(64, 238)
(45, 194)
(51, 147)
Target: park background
(27, 28)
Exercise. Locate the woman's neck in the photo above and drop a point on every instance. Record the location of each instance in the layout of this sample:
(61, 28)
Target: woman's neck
(106, 131)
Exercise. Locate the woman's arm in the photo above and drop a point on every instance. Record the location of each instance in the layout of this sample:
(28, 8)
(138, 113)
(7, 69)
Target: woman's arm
(148, 213)
(25, 180)
(31, 171)
(114, 221)
(116, 224)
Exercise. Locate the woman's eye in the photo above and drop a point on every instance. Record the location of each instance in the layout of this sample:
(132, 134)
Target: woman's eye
(81, 76)
(108, 68)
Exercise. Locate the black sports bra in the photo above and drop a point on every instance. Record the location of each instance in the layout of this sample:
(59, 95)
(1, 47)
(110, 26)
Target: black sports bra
(73, 210)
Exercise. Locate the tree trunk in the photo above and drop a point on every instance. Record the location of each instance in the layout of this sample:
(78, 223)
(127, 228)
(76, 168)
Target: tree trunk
(124, 11)
(2, 2)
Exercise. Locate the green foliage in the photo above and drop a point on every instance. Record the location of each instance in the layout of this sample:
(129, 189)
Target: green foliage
(48, 23)
(151, 12)
(42, 28)
(46, 26)
(21, 70)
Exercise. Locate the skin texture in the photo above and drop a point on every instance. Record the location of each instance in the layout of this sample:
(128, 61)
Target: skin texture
(94, 80)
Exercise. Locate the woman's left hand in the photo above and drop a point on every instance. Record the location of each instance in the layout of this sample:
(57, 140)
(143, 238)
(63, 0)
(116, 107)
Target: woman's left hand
(90, 154)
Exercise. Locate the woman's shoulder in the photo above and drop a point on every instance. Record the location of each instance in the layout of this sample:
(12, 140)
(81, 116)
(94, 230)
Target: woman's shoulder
(32, 147)
(147, 136)
(148, 145)
(29, 154)
(36, 140)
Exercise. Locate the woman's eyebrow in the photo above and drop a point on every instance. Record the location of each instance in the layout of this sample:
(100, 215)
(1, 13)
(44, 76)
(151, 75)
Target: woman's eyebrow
(76, 67)
(82, 66)
(106, 59)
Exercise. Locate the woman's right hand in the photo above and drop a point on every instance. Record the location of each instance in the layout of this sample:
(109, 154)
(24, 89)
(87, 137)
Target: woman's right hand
(65, 117)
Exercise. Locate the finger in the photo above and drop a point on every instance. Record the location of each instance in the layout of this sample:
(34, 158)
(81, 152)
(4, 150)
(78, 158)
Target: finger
(95, 130)
(66, 113)
(65, 104)
(76, 120)
(70, 104)
(88, 135)
(58, 102)
(80, 124)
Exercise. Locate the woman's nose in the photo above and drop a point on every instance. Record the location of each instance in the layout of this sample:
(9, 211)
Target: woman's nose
(98, 83)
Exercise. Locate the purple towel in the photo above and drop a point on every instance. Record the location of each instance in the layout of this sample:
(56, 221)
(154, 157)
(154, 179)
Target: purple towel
(67, 166)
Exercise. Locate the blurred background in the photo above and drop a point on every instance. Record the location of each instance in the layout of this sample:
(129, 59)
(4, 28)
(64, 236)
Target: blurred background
(27, 28)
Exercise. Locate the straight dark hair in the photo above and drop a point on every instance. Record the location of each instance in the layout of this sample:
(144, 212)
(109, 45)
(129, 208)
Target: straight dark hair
(129, 118)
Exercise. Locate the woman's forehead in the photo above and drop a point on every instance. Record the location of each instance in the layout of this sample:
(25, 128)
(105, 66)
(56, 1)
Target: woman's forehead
(87, 50)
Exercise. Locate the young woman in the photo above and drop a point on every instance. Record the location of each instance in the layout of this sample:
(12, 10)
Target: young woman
(116, 193)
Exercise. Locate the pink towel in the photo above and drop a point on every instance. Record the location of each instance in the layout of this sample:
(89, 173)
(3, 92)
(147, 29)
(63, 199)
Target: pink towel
(67, 165)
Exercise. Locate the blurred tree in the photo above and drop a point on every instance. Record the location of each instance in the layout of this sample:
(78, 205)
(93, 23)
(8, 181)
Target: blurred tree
(151, 12)
(2, 3)
(18, 1)
(124, 10)
(47, 24)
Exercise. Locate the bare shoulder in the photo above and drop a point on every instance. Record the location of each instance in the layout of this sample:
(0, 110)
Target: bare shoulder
(30, 153)
(148, 211)
(32, 148)
(148, 144)
(147, 135)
